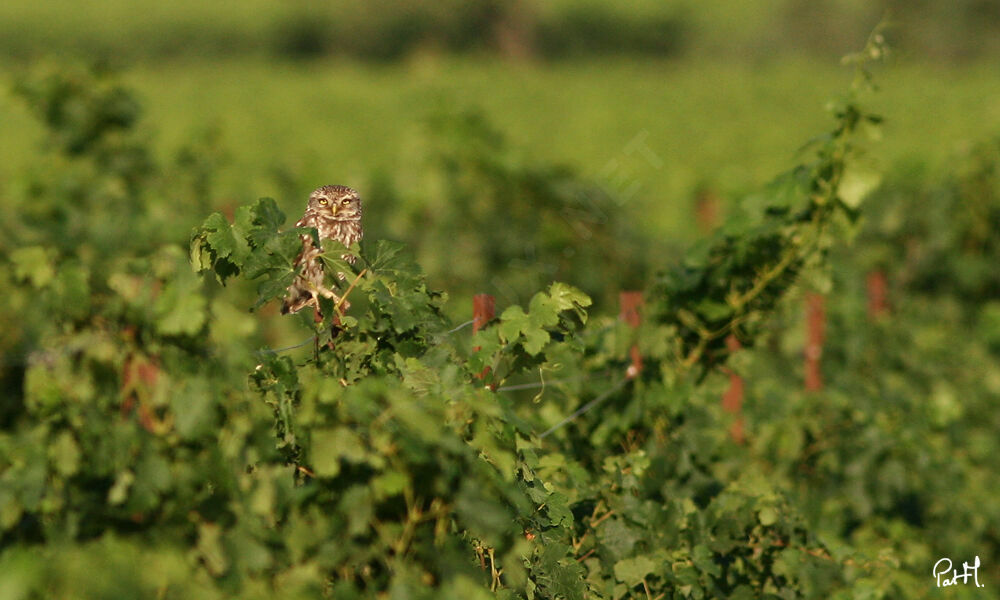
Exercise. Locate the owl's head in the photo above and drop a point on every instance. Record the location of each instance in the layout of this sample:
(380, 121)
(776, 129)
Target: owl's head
(337, 201)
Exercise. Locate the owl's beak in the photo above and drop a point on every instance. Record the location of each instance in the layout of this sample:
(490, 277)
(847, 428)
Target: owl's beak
(333, 209)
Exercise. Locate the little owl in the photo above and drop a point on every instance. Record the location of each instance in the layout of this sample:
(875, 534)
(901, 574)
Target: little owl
(335, 212)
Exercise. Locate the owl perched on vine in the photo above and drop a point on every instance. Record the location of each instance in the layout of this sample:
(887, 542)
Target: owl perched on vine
(335, 212)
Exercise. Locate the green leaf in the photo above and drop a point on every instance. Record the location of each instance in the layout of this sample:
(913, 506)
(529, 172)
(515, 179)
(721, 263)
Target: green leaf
(267, 215)
(557, 507)
(120, 490)
(219, 235)
(192, 407)
(534, 340)
(544, 310)
(631, 571)
(390, 483)
(329, 446)
(482, 512)
(617, 538)
(34, 264)
(274, 287)
(568, 297)
(390, 258)
(10, 510)
(276, 255)
(181, 309)
(72, 287)
(217, 246)
(513, 321)
(560, 573)
(703, 559)
(260, 222)
(417, 376)
(357, 504)
(211, 550)
(856, 183)
(65, 454)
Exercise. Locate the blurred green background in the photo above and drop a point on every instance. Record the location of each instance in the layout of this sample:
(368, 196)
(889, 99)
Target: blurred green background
(298, 94)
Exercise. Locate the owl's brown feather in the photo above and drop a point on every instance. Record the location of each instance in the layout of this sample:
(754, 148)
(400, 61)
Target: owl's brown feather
(335, 212)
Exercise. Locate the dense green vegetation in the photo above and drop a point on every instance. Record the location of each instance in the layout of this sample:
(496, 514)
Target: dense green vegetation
(165, 433)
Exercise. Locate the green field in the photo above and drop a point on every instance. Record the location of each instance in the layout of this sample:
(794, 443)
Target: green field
(726, 126)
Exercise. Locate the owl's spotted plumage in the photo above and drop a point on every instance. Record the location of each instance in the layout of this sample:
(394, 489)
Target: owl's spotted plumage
(335, 212)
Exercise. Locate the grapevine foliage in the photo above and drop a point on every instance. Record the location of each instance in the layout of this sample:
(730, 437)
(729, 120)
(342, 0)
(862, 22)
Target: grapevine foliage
(146, 451)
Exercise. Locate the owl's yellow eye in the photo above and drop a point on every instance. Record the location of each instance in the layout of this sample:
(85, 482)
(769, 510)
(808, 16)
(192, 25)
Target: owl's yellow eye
(322, 201)
(345, 201)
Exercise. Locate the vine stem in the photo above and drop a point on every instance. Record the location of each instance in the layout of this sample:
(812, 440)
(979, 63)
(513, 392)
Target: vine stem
(741, 300)
(343, 298)
(765, 280)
